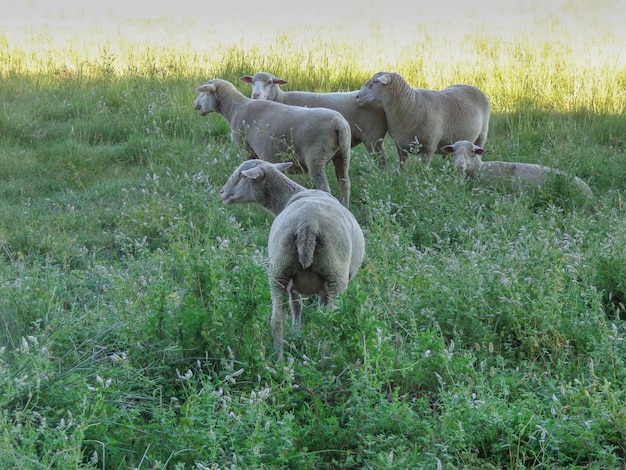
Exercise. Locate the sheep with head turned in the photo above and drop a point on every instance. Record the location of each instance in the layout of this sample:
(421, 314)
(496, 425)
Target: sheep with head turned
(468, 159)
(271, 131)
(315, 244)
(421, 120)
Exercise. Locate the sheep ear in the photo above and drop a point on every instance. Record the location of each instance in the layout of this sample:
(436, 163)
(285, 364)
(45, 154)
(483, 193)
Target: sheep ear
(282, 166)
(253, 173)
(384, 79)
(446, 149)
(246, 78)
(479, 150)
(207, 88)
(279, 81)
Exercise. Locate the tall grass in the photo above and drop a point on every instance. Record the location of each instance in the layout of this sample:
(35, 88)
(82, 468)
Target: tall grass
(485, 329)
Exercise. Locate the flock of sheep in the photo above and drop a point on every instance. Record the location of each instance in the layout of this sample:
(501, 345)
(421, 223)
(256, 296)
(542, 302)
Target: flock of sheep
(315, 244)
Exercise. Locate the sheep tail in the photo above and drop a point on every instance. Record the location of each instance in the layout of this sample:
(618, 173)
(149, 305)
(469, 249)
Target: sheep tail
(344, 136)
(306, 241)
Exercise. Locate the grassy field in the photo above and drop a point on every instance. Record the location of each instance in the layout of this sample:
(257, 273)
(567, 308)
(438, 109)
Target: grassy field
(485, 329)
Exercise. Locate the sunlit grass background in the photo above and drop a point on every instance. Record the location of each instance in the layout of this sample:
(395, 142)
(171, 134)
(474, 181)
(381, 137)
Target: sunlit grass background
(486, 328)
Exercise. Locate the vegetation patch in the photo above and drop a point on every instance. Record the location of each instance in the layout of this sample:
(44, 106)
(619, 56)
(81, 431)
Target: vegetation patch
(485, 328)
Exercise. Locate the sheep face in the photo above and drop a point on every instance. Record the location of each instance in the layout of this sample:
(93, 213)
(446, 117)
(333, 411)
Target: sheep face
(467, 156)
(263, 85)
(246, 182)
(370, 93)
(207, 101)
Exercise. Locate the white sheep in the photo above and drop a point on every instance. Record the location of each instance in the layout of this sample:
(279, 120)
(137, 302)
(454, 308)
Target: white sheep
(315, 244)
(273, 132)
(421, 120)
(367, 124)
(468, 159)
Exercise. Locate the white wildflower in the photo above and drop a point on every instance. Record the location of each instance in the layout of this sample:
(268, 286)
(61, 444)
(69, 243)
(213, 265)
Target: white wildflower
(187, 375)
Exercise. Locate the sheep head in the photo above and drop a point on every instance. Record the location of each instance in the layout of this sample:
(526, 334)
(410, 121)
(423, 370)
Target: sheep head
(207, 101)
(370, 93)
(263, 85)
(467, 156)
(247, 184)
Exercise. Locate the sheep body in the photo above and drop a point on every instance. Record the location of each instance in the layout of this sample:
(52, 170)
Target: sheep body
(421, 120)
(270, 131)
(315, 244)
(367, 124)
(468, 158)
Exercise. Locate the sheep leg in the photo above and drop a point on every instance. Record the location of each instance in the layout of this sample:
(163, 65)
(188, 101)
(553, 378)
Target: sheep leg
(342, 165)
(335, 283)
(426, 152)
(377, 150)
(318, 174)
(402, 155)
(277, 321)
(482, 138)
(295, 303)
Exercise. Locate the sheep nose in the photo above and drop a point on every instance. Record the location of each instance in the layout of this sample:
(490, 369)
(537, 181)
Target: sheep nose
(255, 96)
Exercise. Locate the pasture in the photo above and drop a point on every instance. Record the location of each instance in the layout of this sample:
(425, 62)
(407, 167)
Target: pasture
(486, 327)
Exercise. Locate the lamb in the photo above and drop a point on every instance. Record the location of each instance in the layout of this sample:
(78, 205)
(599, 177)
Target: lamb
(367, 124)
(269, 130)
(421, 120)
(468, 158)
(315, 244)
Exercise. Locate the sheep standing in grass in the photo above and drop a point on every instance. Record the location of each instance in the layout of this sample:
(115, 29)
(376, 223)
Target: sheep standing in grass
(367, 124)
(273, 131)
(468, 159)
(420, 120)
(315, 244)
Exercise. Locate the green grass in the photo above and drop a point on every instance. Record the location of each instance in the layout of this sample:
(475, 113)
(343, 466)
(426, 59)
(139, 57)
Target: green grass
(485, 329)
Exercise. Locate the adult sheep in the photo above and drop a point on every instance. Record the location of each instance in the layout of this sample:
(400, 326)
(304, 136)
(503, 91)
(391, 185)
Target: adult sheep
(468, 159)
(421, 120)
(273, 131)
(367, 124)
(315, 244)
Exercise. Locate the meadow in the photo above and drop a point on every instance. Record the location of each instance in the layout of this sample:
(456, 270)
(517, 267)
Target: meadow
(485, 329)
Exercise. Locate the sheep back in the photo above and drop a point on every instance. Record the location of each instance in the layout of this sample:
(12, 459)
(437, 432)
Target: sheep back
(367, 124)
(530, 173)
(316, 243)
(273, 130)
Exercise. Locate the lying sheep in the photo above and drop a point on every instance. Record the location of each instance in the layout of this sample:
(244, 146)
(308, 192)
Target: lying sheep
(315, 244)
(269, 131)
(468, 158)
(421, 120)
(367, 124)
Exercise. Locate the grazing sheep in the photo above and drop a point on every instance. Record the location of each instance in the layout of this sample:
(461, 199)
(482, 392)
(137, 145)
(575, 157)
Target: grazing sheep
(421, 120)
(367, 124)
(315, 244)
(468, 158)
(269, 131)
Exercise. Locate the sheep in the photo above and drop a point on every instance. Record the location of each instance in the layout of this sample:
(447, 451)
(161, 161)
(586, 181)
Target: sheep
(269, 130)
(315, 244)
(421, 120)
(367, 124)
(468, 158)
